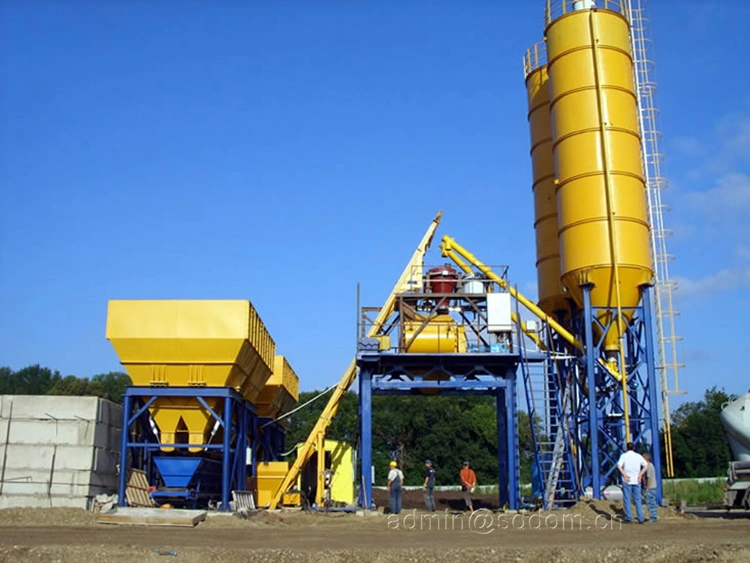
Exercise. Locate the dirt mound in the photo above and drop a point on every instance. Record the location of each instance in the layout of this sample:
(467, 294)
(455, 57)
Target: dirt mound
(58, 516)
(593, 508)
(588, 554)
(450, 500)
(262, 518)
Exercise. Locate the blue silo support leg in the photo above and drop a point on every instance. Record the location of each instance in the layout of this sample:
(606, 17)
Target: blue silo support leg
(588, 319)
(512, 442)
(365, 456)
(123, 477)
(652, 395)
(502, 445)
(226, 457)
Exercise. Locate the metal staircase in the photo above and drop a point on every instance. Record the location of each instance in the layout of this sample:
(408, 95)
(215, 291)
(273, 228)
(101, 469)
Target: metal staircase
(549, 406)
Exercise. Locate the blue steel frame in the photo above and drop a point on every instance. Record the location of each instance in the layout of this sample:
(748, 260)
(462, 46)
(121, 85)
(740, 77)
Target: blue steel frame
(138, 442)
(386, 373)
(557, 378)
(271, 440)
(597, 419)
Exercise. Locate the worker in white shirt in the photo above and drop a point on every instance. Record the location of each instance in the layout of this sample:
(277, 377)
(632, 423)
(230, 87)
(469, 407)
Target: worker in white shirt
(632, 467)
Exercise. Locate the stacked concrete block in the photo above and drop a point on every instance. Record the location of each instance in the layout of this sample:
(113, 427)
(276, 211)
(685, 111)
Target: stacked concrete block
(57, 451)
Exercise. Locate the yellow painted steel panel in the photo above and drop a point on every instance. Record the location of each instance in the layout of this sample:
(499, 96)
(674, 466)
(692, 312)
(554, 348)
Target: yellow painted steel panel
(190, 344)
(291, 499)
(552, 297)
(342, 464)
(269, 476)
(281, 392)
(597, 153)
(441, 335)
(343, 486)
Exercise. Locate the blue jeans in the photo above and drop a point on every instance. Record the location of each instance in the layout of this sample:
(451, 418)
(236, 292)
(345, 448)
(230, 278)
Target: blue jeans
(429, 499)
(395, 499)
(651, 503)
(632, 492)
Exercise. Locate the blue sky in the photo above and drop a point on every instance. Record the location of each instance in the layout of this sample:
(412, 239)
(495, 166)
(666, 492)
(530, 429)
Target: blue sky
(283, 151)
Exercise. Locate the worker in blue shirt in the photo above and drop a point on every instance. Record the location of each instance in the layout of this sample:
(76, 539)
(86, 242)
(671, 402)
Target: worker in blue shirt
(429, 486)
(395, 483)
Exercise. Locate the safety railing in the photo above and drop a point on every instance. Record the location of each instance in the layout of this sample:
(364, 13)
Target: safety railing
(534, 58)
(557, 8)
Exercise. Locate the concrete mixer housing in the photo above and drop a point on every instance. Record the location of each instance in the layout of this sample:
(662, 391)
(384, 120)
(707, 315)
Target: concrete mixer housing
(735, 416)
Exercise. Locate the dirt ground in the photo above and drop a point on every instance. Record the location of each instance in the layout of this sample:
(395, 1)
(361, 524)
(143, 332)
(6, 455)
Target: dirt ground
(590, 532)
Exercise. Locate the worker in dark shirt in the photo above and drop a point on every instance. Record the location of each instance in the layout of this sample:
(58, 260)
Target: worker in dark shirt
(429, 486)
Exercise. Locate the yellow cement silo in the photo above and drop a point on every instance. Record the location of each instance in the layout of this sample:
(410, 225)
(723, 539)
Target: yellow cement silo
(601, 201)
(552, 297)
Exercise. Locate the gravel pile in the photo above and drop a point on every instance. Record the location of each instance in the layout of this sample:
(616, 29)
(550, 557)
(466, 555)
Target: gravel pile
(608, 508)
(57, 516)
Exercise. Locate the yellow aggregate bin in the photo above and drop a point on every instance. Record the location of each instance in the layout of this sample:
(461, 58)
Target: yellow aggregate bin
(552, 297)
(281, 391)
(176, 343)
(601, 199)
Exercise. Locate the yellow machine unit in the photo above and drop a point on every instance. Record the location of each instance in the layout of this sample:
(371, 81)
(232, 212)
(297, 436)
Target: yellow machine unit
(338, 468)
(269, 476)
(601, 201)
(281, 391)
(191, 344)
(439, 335)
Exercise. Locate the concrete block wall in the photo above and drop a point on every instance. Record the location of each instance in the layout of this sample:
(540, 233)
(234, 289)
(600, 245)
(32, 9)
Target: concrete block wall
(57, 451)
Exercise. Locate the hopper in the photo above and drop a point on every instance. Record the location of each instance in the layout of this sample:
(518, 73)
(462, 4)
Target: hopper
(182, 473)
(190, 344)
(281, 391)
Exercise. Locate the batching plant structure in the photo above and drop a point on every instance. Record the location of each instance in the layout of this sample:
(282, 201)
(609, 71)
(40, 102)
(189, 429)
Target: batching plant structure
(208, 388)
(593, 247)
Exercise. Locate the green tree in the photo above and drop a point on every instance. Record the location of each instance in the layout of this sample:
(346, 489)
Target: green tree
(31, 380)
(36, 380)
(344, 426)
(446, 430)
(69, 385)
(109, 385)
(699, 444)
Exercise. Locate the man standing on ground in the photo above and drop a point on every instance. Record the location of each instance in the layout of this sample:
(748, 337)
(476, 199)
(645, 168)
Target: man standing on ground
(632, 467)
(468, 482)
(429, 486)
(395, 482)
(650, 489)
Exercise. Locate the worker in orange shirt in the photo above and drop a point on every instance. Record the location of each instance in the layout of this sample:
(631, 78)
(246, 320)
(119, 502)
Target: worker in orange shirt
(468, 482)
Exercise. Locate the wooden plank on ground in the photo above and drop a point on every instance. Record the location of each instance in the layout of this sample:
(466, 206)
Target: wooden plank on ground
(152, 517)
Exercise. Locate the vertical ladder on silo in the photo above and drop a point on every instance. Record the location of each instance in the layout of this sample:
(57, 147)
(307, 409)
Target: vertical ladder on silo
(665, 312)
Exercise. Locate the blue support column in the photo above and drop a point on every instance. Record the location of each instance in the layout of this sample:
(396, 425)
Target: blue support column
(226, 455)
(652, 395)
(588, 319)
(240, 477)
(365, 454)
(512, 442)
(254, 448)
(503, 445)
(123, 477)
